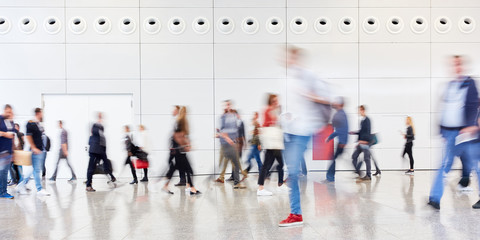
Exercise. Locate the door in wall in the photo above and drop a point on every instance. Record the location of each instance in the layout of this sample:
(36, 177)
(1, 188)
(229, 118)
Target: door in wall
(78, 112)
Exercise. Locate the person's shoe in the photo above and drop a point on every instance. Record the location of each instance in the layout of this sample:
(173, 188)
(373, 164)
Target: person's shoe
(264, 192)
(326, 181)
(165, 190)
(90, 189)
(463, 189)
(292, 220)
(364, 179)
(11, 183)
(114, 179)
(144, 180)
(244, 177)
(134, 182)
(43, 192)
(283, 189)
(409, 172)
(180, 184)
(476, 205)
(239, 186)
(195, 193)
(72, 180)
(434, 205)
(377, 173)
(22, 190)
(52, 179)
(230, 179)
(6, 196)
(219, 180)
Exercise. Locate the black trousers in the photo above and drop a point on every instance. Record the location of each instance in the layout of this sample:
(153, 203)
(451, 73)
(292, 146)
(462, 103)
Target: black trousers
(270, 156)
(181, 173)
(92, 164)
(181, 164)
(15, 173)
(408, 150)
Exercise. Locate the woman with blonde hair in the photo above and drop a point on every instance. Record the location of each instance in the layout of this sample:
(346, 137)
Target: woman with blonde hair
(180, 148)
(409, 136)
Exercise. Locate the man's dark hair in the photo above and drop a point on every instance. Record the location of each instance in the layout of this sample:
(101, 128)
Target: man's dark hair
(362, 107)
(8, 106)
(38, 110)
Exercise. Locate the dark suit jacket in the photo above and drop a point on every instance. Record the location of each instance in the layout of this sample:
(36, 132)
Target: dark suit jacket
(365, 133)
(97, 140)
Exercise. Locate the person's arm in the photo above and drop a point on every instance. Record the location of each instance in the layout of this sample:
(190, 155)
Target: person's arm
(32, 145)
(7, 134)
(471, 108)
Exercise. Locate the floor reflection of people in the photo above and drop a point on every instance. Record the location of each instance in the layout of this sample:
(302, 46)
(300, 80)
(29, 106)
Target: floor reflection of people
(408, 196)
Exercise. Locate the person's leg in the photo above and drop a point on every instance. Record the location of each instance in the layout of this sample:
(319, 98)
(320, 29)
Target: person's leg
(295, 147)
(279, 156)
(256, 154)
(145, 173)
(436, 191)
(366, 156)
(377, 169)
(108, 166)
(222, 163)
(4, 167)
(44, 170)
(37, 164)
(54, 176)
(408, 150)
(230, 153)
(304, 167)
(249, 158)
(71, 169)
(92, 163)
(267, 164)
(355, 155)
(132, 168)
(331, 169)
(467, 164)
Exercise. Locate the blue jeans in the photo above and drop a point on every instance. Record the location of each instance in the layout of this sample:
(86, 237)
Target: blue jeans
(5, 166)
(451, 150)
(295, 147)
(254, 153)
(474, 153)
(37, 164)
(331, 169)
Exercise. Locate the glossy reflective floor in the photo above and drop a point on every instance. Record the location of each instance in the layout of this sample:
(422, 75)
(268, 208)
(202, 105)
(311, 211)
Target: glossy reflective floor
(392, 206)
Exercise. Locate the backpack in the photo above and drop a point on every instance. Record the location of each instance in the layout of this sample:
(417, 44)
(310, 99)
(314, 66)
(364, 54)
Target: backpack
(373, 139)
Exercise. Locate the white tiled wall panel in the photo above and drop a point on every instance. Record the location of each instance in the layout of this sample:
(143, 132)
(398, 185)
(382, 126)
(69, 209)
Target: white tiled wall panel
(249, 60)
(167, 61)
(30, 61)
(406, 95)
(159, 96)
(394, 60)
(103, 61)
(26, 95)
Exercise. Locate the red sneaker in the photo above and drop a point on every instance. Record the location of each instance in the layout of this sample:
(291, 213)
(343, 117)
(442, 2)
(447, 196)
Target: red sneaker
(292, 220)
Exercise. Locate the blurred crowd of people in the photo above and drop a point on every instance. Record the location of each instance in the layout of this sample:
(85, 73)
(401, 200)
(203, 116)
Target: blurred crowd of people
(281, 133)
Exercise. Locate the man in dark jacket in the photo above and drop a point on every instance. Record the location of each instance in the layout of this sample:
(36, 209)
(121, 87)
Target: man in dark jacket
(364, 138)
(97, 152)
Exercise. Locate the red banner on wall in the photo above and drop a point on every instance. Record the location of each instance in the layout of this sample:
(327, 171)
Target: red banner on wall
(321, 149)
